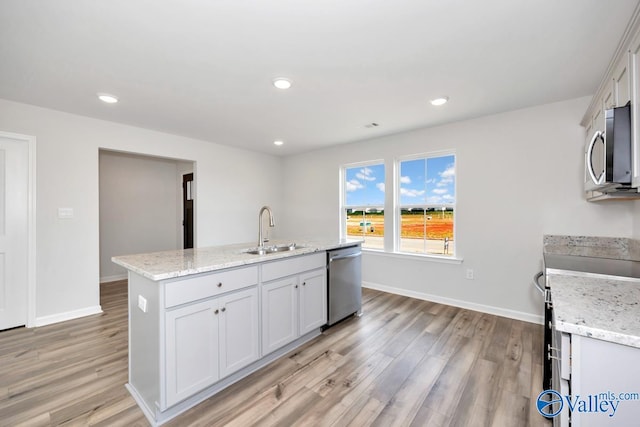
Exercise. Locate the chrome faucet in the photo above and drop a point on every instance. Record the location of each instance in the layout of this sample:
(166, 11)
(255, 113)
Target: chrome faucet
(271, 224)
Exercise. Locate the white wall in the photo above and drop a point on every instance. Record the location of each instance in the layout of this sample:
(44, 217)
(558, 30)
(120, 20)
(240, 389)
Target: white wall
(232, 185)
(519, 176)
(139, 196)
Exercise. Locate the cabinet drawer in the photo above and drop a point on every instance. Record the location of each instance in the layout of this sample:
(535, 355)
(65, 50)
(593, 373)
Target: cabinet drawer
(208, 285)
(278, 269)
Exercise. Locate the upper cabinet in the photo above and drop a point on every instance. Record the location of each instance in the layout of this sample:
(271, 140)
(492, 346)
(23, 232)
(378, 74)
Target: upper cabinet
(634, 90)
(621, 92)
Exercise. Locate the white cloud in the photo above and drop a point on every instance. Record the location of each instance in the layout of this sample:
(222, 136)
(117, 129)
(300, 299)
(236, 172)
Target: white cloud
(447, 176)
(405, 180)
(366, 174)
(380, 186)
(440, 191)
(448, 197)
(354, 185)
(410, 192)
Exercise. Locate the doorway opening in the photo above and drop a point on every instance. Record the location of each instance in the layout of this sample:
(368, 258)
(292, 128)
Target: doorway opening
(142, 206)
(187, 210)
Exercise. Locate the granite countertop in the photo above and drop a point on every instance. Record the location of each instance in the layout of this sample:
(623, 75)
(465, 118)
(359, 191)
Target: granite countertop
(178, 263)
(597, 307)
(606, 307)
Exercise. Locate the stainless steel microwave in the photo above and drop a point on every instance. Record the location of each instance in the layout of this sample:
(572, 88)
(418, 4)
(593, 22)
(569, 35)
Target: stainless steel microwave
(608, 156)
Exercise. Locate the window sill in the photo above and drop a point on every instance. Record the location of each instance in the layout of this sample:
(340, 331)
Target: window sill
(414, 257)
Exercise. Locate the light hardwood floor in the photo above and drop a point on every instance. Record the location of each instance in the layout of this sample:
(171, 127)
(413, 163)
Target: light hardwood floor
(404, 362)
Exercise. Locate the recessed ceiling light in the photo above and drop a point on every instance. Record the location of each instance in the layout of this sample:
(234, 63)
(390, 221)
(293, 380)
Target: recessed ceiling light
(439, 101)
(282, 83)
(109, 99)
(278, 142)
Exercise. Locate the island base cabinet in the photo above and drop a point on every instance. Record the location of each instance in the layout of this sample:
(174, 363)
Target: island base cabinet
(209, 340)
(292, 307)
(191, 350)
(239, 325)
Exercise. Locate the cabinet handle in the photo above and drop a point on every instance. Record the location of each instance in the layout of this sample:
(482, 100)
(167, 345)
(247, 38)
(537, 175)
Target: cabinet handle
(304, 283)
(215, 312)
(224, 309)
(296, 286)
(220, 284)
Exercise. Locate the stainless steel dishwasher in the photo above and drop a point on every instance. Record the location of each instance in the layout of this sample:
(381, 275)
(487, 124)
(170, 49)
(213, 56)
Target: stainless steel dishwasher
(344, 278)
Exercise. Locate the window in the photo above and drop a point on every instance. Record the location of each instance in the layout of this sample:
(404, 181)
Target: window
(363, 204)
(426, 205)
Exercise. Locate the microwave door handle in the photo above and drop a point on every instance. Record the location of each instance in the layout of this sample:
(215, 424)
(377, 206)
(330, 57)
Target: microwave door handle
(596, 135)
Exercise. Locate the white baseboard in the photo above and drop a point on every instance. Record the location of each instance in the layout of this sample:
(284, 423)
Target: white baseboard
(69, 315)
(113, 278)
(498, 311)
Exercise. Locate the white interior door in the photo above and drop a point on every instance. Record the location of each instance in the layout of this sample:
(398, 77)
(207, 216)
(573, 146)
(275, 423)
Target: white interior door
(14, 222)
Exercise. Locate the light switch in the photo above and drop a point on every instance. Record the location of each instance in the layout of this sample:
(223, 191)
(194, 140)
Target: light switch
(142, 303)
(65, 212)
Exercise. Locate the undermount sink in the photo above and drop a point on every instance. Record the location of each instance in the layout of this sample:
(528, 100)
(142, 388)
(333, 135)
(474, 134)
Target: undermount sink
(272, 249)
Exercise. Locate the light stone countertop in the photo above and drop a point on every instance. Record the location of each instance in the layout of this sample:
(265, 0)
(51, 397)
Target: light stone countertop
(170, 264)
(597, 306)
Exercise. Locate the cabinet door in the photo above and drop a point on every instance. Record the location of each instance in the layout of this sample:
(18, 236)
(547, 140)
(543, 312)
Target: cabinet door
(238, 330)
(621, 82)
(605, 371)
(191, 338)
(313, 300)
(279, 313)
(634, 60)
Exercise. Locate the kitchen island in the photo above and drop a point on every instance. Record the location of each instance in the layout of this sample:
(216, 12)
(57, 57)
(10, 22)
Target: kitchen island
(202, 319)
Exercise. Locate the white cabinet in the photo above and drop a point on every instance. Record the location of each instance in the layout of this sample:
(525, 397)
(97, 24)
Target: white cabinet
(603, 379)
(294, 301)
(622, 82)
(279, 313)
(209, 340)
(192, 350)
(634, 88)
(313, 300)
(238, 331)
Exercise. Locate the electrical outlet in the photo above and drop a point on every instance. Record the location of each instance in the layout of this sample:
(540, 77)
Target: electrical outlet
(470, 273)
(142, 303)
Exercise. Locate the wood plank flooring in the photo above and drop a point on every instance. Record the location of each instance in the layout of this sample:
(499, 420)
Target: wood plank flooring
(405, 362)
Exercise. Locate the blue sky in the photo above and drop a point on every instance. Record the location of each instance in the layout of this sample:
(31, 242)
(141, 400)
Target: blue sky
(422, 181)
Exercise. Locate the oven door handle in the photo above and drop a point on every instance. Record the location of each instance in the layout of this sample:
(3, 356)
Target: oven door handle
(536, 282)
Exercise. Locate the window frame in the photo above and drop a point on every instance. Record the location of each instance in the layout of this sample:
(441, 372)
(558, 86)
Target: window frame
(343, 197)
(397, 206)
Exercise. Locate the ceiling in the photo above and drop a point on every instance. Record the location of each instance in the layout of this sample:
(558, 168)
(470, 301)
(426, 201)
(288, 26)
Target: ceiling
(204, 69)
